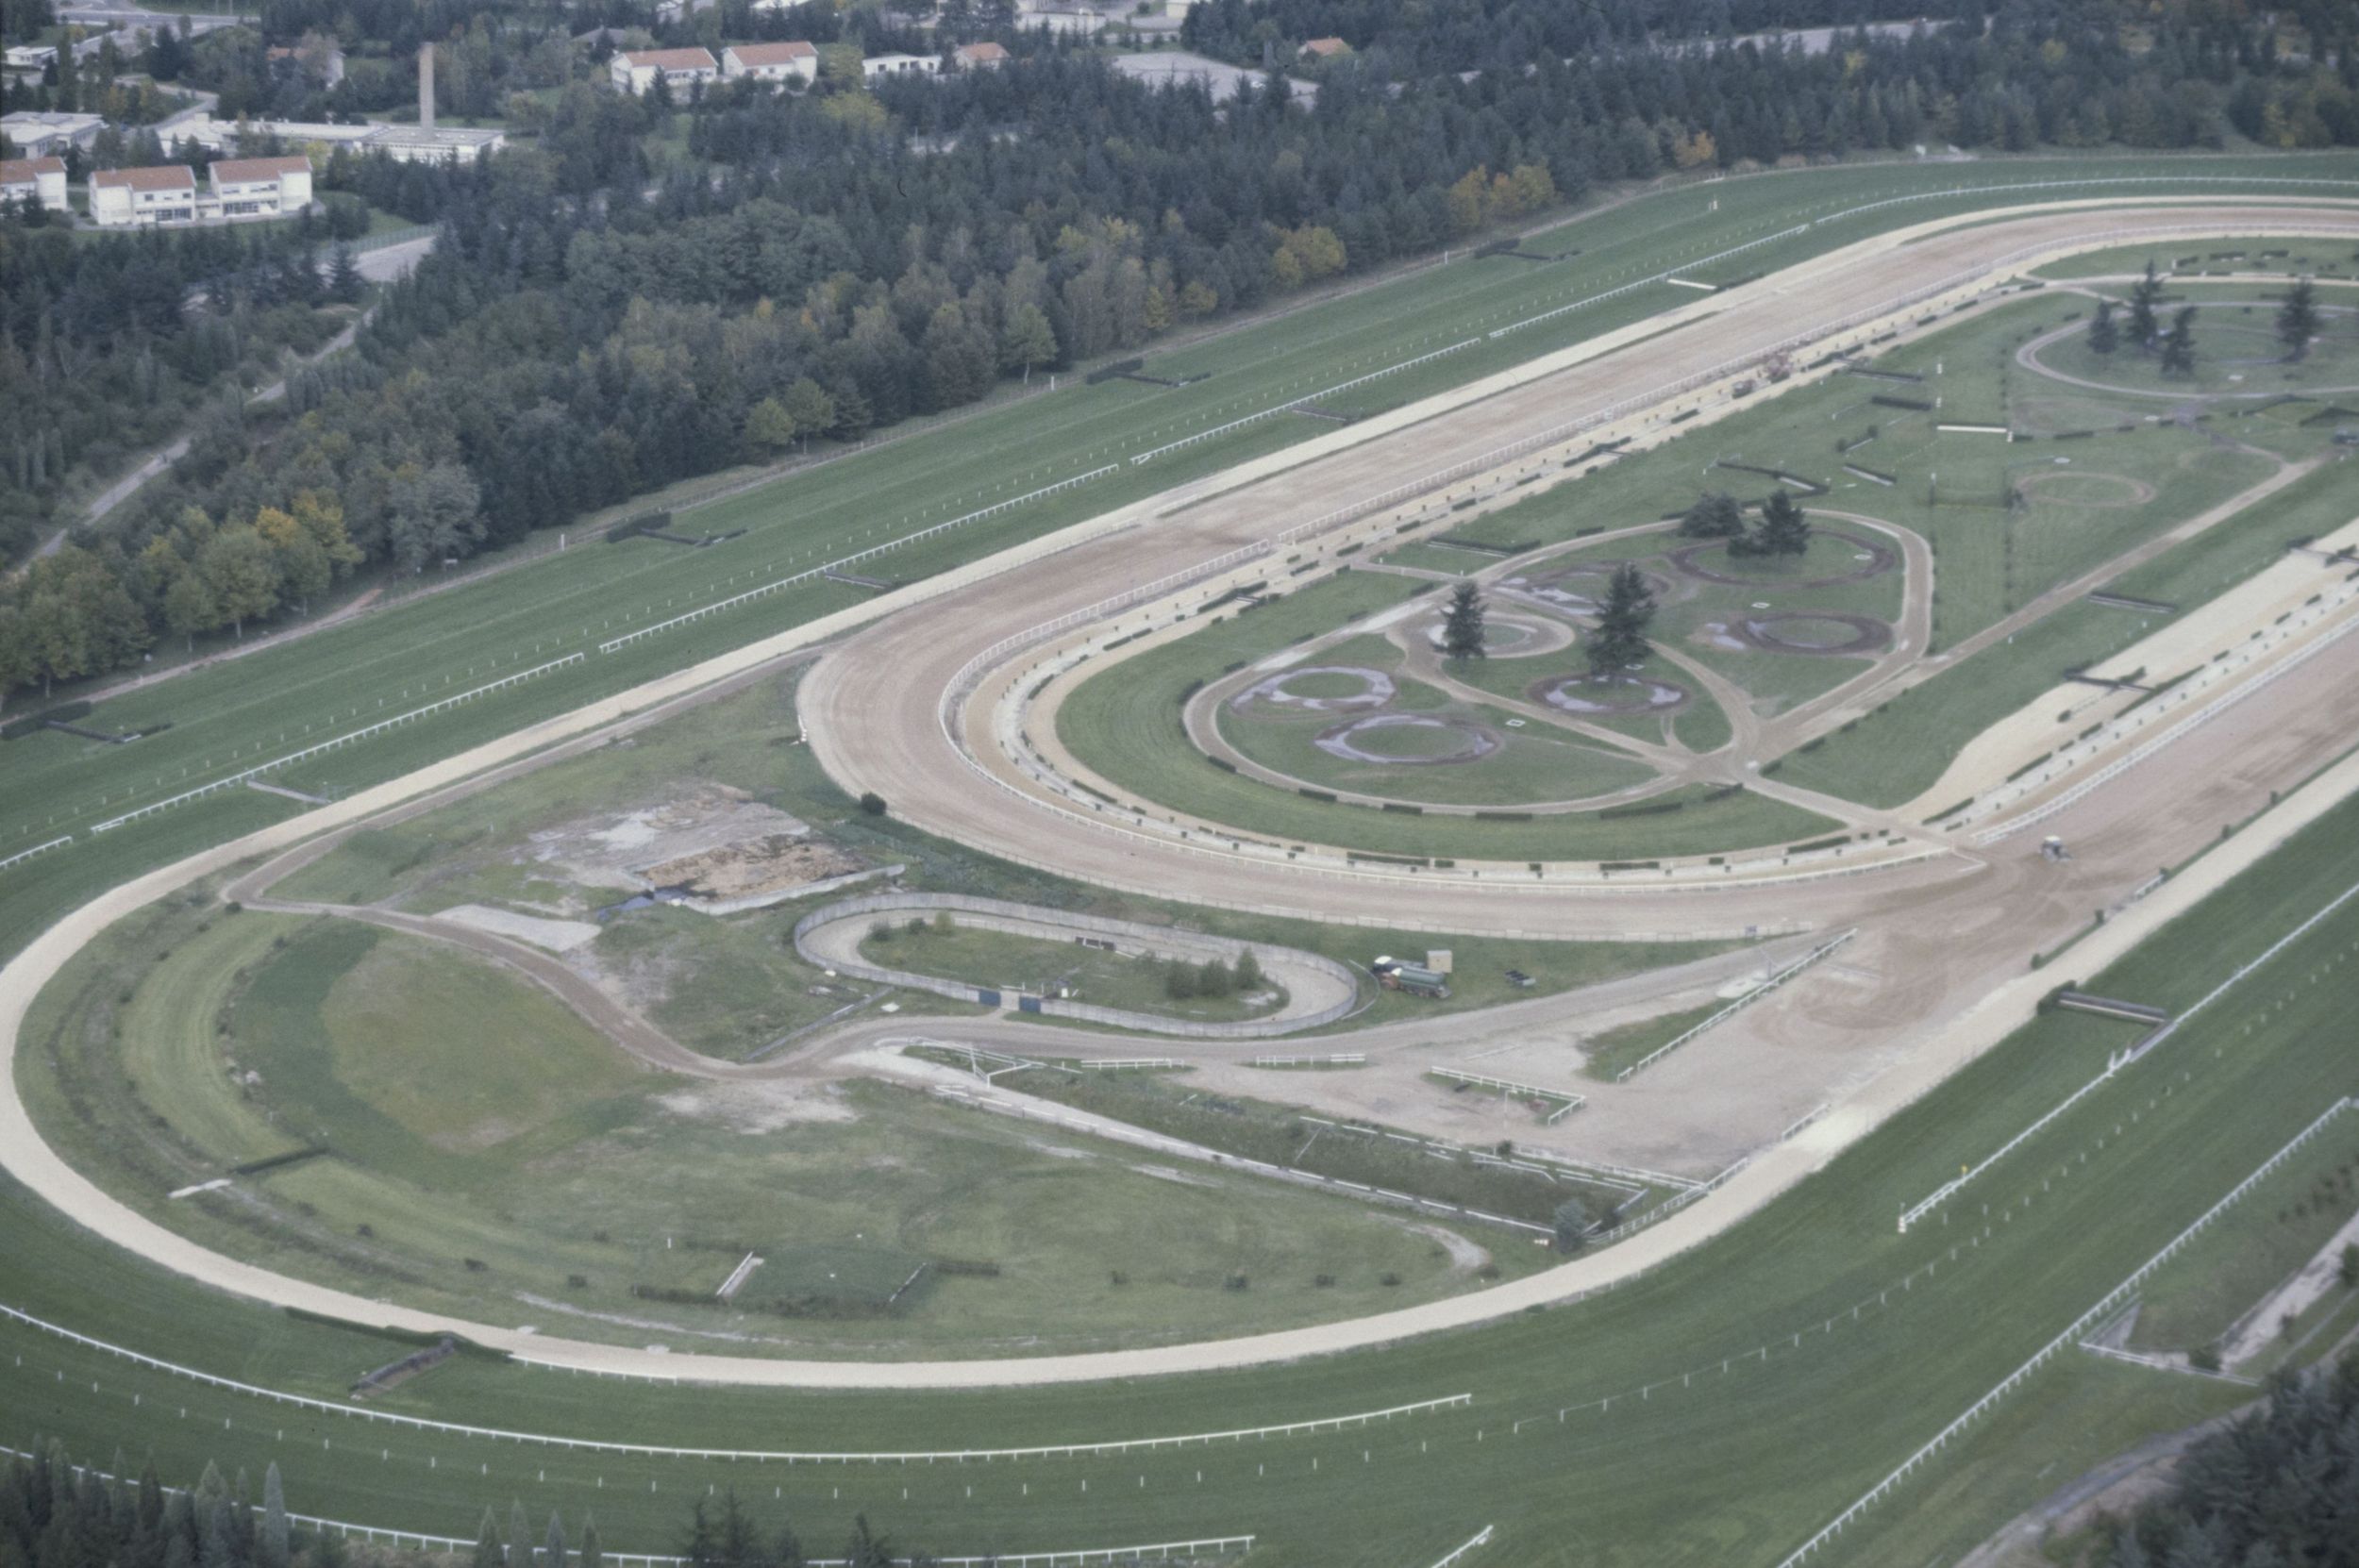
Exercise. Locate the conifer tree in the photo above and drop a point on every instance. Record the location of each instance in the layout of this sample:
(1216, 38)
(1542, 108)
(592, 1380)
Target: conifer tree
(2298, 319)
(2179, 343)
(1619, 645)
(1462, 633)
(2105, 335)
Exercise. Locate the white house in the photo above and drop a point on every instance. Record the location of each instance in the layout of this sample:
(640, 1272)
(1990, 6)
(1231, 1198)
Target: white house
(983, 55)
(40, 180)
(36, 133)
(121, 197)
(29, 59)
(771, 63)
(255, 186)
(881, 66)
(637, 70)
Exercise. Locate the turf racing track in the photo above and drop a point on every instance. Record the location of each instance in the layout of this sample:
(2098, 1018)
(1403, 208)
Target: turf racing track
(1945, 924)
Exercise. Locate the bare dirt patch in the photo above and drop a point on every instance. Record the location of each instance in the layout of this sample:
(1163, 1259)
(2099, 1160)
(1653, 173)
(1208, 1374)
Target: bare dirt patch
(758, 1106)
(1466, 742)
(708, 839)
(1814, 632)
(1596, 694)
(1880, 558)
(767, 864)
(2078, 488)
(1375, 689)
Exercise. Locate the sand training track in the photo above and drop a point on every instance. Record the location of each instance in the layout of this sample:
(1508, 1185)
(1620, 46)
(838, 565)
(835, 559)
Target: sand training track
(1945, 936)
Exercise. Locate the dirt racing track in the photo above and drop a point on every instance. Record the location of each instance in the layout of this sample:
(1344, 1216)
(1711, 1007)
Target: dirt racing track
(1944, 925)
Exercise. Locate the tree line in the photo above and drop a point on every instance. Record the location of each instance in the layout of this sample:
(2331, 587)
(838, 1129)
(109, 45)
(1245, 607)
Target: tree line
(2277, 1489)
(57, 1514)
(591, 325)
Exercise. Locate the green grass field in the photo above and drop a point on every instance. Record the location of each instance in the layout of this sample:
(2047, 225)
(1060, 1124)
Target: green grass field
(2195, 1298)
(2318, 257)
(1531, 762)
(1124, 724)
(263, 704)
(481, 1151)
(1643, 1480)
(1618, 1048)
(1899, 749)
(1043, 967)
(1814, 1405)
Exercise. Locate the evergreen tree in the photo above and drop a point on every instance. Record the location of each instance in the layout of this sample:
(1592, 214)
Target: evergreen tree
(1784, 531)
(1462, 633)
(2104, 336)
(591, 1555)
(2179, 343)
(553, 1544)
(1250, 979)
(271, 1547)
(487, 1544)
(1619, 645)
(1571, 1222)
(2145, 327)
(344, 283)
(1712, 517)
(2298, 319)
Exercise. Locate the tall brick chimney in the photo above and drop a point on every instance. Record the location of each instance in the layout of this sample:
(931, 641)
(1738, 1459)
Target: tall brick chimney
(425, 86)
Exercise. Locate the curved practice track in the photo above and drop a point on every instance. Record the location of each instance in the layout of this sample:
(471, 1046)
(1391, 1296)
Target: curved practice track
(1946, 933)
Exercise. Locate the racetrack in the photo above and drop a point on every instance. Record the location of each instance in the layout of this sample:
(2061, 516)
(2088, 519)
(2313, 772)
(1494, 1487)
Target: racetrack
(1948, 934)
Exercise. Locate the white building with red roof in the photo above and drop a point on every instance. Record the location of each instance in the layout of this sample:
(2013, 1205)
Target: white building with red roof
(770, 62)
(637, 70)
(258, 187)
(122, 197)
(38, 180)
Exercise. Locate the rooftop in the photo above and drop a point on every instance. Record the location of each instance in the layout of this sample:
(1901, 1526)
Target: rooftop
(18, 171)
(174, 176)
(773, 54)
(258, 168)
(672, 60)
(979, 53)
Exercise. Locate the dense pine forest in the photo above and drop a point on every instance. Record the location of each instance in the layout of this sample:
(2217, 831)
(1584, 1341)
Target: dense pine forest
(2280, 1489)
(648, 289)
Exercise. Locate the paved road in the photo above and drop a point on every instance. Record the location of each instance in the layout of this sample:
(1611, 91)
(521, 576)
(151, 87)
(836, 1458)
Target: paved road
(1945, 940)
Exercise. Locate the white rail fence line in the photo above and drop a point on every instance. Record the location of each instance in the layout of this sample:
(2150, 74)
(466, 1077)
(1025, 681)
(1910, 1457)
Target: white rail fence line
(2120, 765)
(1444, 477)
(1481, 1538)
(793, 578)
(1628, 1172)
(1143, 1137)
(1670, 277)
(600, 1445)
(1567, 1101)
(350, 738)
(1773, 983)
(24, 854)
(1294, 403)
(1332, 1058)
(2113, 1065)
(1080, 1557)
(2071, 1336)
(970, 674)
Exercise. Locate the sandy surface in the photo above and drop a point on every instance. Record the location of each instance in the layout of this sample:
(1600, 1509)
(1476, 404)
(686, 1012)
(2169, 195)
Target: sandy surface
(1944, 939)
(558, 936)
